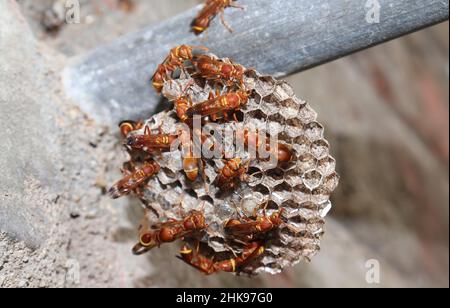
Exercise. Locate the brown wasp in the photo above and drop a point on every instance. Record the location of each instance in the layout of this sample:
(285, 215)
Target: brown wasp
(218, 70)
(209, 11)
(169, 231)
(134, 179)
(128, 126)
(177, 56)
(190, 163)
(181, 106)
(250, 227)
(209, 266)
(160, 76)
(219, 105)
(149, 142)
(233, 169)
(252, 139)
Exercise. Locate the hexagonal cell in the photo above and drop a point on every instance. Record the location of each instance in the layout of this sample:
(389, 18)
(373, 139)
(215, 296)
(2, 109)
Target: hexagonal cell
(320, 195)
(312, 179)
(268, 260)
(287, 235)
(275, 124)
(250, 79)
(283, 91)
(298, 101)
(294, 127)
(302, 145)
(174, 161)
(251, 74)
(295, 230)
(309, 205)
(301, 193)
(320, 148)
(271, 181)
(315, 231)
(325, 208)
(326, 165)
(308, 215)
(253, 103)
(286, 166)
(331, 182)
(281, 193)
(306, 162)
(288, 213)
(271, 103)
(310, 247)
(283, 137)
(290, 206)
(167, 176)
(289, 108)
(256, 118)
(172, 198)
(314, 131)
(217, 244)
(265, 85)
(293, 177)
(270, 207)
(306, 114)
(268, 164)
(251, 203)
(263, 189)
(276, 174)
(255, 176)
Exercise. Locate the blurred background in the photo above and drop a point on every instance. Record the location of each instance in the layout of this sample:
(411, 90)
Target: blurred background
(386, 114)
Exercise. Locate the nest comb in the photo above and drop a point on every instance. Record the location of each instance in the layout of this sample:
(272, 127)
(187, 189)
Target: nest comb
(301, 187)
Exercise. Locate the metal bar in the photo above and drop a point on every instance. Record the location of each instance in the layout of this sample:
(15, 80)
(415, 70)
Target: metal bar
(278, 37)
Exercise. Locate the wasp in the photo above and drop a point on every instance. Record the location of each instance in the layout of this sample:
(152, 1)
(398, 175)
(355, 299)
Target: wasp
(249, 228)
(178, 55)
(134, 179)
(209, 11)
(169, 231)
(218, 70)
(181, 106)
(233, 169)
(219, 105)
(190, 163)
(128, 126)
(176, 58)
(252, 139)
(208, 266)
(160, 76)
(149, 142)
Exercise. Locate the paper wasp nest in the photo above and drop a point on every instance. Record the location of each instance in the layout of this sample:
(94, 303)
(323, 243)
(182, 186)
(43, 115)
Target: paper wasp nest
(301, 187)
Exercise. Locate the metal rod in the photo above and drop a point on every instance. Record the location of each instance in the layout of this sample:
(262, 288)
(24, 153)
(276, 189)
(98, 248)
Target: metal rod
(278, 37)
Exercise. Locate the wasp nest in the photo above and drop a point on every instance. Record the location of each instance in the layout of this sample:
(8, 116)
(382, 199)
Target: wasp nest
(300, 187)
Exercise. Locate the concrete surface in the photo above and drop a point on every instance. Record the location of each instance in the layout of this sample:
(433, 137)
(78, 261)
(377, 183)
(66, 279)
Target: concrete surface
(29, 158)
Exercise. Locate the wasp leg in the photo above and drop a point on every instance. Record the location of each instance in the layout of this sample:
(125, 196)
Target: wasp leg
(224, 22)
(237, 6)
